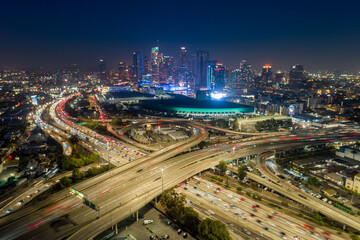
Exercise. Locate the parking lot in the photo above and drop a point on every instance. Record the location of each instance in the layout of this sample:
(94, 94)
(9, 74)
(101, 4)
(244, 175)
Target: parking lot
(158, 229)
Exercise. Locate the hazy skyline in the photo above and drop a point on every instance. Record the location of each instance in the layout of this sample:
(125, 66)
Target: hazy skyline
(321, 35)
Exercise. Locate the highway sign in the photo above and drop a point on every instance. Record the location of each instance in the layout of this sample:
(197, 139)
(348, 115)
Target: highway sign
(79, 194)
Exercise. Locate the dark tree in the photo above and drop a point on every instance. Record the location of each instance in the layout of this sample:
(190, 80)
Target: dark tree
(213, 230)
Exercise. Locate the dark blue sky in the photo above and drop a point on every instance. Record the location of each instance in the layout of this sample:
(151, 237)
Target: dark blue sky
(319, 34)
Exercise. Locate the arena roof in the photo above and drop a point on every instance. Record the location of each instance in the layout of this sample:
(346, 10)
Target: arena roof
(182, 104)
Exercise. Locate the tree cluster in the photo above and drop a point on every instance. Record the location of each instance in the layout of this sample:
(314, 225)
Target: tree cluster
(174, 204)
(241, 174)
(271, 124)
(71, 162)
(116, 121)
(223, 167)
(219, 122)
(97, 127)
(313, 181)
(213, 230)
(78, 175)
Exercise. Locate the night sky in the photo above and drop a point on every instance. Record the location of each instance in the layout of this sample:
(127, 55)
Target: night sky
(319, 34)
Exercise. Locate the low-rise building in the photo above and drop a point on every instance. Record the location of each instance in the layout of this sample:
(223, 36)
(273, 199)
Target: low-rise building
(329, 192)
(336, 178)
(353, 183)
(348, 152)
(178, 135)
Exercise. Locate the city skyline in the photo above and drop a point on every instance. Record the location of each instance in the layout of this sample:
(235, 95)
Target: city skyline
(321, 36)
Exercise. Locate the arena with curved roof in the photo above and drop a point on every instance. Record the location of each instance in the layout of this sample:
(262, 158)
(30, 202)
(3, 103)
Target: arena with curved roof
(185, 106)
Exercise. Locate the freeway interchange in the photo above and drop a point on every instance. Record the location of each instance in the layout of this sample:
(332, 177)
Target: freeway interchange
(122, 191)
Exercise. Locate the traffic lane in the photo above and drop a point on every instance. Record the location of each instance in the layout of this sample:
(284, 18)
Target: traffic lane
(202, 166)
(239, 201)
(244, 209)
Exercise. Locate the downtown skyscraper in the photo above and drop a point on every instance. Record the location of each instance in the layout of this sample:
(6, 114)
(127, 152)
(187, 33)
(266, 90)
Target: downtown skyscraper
(216, 76)
(242, 77)
(155, 65)
(202, 58)
(166, 70)
(183, 74)
(137, 67)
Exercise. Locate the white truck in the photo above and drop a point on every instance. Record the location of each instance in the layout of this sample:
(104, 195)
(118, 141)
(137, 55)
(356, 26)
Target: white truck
(146, 222)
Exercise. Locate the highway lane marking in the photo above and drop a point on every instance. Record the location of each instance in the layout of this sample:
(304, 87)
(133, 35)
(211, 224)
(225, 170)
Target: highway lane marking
(116, 182)
(68, 209)
(6, 199)
(104, 191)
(102, 183)
(35, 224)
(57, 206)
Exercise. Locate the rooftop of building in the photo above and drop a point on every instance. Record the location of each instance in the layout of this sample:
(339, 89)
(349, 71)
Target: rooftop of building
(129, 94)
(180, 101)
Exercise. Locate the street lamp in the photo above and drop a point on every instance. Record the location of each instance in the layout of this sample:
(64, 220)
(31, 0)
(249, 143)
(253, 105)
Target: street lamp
(162, 179)
(108, 151)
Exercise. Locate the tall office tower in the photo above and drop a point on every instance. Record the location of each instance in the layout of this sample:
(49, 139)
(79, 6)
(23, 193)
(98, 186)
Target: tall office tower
(202, 58)
(242, 77)
(297, 76)
(101, 65)
(246, 75)
(266, 74)
(183, 61)
(123, 71)
(166, 70)
(137, 66)
(101, 69)
(155, 64)
(279, 77)
(183, 73)
(216, 76)
(237, 84)
(147, 67)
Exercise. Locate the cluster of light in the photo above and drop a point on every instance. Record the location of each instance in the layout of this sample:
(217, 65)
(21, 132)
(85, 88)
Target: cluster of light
(218, 95)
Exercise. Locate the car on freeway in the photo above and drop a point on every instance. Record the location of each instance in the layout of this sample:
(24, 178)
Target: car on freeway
(326, 234)
(230, 224)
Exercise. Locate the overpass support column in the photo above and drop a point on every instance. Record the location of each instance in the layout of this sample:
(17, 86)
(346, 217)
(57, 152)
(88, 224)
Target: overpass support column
(116, 229)
(137, 215)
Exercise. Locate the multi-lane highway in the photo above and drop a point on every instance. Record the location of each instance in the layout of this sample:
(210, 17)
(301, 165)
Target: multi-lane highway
(127, 188)
(249, 214)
